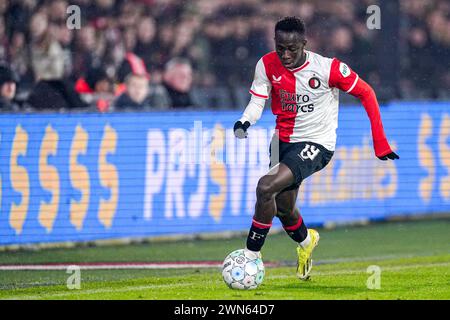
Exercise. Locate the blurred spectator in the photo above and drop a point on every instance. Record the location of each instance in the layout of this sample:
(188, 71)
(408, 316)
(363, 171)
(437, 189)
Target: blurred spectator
(177, 80)
(426, 65)
(136, 96)
(341, 44)
(47, 56)
(64, 36)
(166, 37)
(52, 91)
(84, 51)
(96, 88)
(96, 81)
(8, 81)
(19, 59)
(131, 64)
(3, 40)
(146, 46)
(54, 95)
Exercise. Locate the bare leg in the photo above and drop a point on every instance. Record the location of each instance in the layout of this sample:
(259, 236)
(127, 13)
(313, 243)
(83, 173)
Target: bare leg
(265, 209)
(287, 212)
(289, 215)
(268, 188)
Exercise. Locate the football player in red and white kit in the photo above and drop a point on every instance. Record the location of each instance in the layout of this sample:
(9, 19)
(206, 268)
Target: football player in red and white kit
(304, 87)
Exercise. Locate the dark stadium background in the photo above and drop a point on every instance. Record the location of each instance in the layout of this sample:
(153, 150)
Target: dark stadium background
(406, 60)
(119, 133)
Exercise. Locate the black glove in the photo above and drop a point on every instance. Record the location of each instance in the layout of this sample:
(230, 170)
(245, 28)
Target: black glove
(240, 129)
(391, 156)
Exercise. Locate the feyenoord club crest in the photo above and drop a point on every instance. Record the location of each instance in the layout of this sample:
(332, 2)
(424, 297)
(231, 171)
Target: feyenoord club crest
(314, 82)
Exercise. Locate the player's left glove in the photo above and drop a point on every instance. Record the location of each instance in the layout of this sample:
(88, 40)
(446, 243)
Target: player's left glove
(240, 129)
(383, 150)
(391, 156)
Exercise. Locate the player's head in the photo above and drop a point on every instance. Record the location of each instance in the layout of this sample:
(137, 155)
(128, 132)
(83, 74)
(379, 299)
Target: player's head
(290, 41)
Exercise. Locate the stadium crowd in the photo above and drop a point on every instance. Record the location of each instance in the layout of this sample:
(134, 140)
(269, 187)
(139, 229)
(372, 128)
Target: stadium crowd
(160, 54)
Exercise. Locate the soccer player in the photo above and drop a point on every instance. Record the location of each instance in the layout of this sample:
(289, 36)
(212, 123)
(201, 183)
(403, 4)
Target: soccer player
(304, 88)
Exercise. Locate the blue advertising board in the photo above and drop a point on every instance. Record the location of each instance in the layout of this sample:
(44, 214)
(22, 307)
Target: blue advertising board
(83, 177)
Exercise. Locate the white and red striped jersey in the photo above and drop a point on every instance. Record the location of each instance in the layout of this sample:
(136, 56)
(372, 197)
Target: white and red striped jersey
(305, 100)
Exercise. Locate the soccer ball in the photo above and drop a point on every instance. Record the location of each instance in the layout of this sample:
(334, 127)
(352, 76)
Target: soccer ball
(242, 269)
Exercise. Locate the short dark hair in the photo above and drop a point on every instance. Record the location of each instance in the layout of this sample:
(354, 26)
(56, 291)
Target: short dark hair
(291, 24)
(7, 75)
(95, 75)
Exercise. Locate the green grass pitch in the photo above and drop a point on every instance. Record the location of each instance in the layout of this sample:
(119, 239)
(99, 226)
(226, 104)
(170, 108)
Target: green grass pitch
(414, 259)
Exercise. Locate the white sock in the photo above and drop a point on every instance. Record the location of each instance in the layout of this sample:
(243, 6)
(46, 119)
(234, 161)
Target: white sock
(306, 242)
(253, 254)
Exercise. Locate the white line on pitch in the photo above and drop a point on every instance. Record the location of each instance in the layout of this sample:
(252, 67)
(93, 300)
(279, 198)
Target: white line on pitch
(97, 291)
(105, 266)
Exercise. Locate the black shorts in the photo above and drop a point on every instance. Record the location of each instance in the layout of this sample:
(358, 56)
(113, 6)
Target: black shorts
(303, 158)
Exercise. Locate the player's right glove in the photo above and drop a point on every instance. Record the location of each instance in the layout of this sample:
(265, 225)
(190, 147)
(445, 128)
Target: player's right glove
(240, 129)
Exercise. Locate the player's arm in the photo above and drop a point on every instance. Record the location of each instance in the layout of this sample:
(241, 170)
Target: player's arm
(364, 92)
(342, 77)
(252, 113)
(260, 91)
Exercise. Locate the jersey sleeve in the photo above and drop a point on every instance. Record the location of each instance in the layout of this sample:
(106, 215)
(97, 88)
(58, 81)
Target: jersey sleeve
(342, 76)
(364, 92)
(261, 85)
(345, 79)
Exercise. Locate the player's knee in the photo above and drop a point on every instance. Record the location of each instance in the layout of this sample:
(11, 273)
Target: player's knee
(265, 190)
